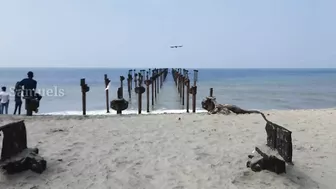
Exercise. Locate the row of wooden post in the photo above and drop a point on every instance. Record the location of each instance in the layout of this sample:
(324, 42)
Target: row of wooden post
(154, 78)
(182, 82)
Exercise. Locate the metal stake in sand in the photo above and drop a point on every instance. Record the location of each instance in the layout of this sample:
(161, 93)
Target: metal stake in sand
(122, 78)
(85, 88)
(157, 80)
(139, 90)
(181, 84)
(154, 82)
(107, 82)
(120, 94)
(187, 83)
(147, 82)
(130, 73)
(120, 103)
(135, 80)
(161, 78)
(211, 92)
(178, 81)
(194, 91)
(129, 85)
(151, 78)
(176, 77)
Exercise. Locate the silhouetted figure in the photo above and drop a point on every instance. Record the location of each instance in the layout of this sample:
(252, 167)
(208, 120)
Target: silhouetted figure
(18, 98)
(29, 85)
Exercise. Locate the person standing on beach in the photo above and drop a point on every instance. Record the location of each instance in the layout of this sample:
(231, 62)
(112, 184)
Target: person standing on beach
(4, 96)
(29, 85)
(18, 100)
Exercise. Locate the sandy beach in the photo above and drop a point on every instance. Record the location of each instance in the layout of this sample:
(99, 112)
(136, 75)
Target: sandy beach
(174, 151)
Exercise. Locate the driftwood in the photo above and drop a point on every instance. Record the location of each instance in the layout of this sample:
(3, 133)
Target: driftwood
(278, 137)
(28, 159)
(270, 163)
(210, 104)
(15, 156)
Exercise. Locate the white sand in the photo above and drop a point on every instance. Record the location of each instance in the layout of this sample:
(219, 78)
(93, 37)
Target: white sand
(159, 151)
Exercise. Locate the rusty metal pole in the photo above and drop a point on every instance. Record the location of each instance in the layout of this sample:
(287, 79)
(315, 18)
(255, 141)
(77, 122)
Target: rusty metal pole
(107, 81)
(178, 81)
(135, 80)
(188, 93)
(152, 81)
(147, 89)
(183, 85)
(129, 85)
(147, 92)
(122, 78)
(130, 76)
(155, 83)
(139, 96)
(161, 78)
(85, 89)
(194, 90)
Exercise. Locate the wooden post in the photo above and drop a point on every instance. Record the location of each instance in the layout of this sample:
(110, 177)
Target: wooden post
(211, 92)
(85, 89)
(107, 81)
(188, 93)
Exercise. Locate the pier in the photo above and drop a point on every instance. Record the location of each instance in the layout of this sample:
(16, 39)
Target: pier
(144, 88)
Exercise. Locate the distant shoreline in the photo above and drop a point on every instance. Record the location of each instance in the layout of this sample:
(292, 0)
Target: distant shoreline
(117, 68)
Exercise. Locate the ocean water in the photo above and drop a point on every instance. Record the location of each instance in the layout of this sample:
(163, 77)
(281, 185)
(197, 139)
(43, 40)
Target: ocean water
(248, 88)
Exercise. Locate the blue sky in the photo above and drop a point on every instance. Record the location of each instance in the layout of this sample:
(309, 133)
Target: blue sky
(138, 33)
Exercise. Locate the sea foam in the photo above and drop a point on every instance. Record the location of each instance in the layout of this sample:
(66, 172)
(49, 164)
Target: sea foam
(112, 112)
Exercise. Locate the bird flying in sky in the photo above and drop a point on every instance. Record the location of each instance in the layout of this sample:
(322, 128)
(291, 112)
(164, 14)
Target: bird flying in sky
(176, 46)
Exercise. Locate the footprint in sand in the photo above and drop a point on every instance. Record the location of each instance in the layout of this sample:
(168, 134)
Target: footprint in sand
(170, 159)
(178, 187)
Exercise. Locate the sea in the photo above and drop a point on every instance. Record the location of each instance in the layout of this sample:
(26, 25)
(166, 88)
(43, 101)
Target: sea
(261, 89)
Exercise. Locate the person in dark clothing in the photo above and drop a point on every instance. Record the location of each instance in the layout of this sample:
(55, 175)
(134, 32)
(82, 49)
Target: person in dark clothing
(18, 100)
(29, 85)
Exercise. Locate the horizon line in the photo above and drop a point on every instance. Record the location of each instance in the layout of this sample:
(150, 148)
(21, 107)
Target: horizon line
(56, 67)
